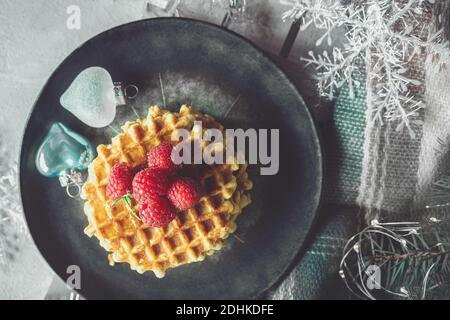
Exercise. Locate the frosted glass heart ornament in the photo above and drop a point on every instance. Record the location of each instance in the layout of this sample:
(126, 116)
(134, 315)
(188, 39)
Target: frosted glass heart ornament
(63, 150)
(91, 97)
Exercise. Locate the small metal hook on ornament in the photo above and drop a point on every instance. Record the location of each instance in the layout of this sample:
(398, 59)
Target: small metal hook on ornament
(73, 190)
(123, 92)
(127, 91)
(71, 180)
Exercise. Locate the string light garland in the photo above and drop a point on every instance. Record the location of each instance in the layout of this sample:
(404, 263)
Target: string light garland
(406, 260)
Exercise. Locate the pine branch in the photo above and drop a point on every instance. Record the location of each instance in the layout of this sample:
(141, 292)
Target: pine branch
(418, 256)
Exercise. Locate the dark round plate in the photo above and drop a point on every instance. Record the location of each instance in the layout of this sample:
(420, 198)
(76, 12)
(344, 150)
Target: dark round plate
(221, 74)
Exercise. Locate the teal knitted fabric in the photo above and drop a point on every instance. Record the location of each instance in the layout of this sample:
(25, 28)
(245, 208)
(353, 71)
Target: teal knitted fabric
(344, 147)
(317, 274)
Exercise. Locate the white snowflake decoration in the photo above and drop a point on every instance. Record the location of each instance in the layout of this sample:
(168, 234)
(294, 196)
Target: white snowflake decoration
(13, 230)
(383, 35)
(233, 4)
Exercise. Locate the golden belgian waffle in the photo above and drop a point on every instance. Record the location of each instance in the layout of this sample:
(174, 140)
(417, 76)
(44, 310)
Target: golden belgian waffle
(194, 233)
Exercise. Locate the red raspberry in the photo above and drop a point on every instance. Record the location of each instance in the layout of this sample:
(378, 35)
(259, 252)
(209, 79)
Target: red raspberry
(138, 169)
(183, 193)
(119, 183)
(156, 212)
(150, 182)
(160, 158)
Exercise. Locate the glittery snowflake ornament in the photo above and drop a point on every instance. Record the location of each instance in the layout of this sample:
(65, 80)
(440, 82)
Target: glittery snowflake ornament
(161, 8)
(382, 38)
(13, 230)
(235, 12)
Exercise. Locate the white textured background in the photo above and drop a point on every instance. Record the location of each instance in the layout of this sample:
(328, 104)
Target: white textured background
(34, 39)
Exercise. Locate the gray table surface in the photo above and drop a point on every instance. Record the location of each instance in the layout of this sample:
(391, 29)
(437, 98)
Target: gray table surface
(34, 39)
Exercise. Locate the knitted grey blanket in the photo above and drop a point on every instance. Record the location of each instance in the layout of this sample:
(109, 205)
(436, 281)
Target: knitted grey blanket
(382, 172)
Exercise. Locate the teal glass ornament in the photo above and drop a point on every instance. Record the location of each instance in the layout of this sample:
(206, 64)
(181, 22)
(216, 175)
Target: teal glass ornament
(64, 154)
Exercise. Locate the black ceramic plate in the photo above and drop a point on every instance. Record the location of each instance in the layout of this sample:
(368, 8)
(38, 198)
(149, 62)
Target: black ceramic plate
(223, 75)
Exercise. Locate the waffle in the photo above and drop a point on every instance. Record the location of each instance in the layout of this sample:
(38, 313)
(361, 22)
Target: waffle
(193, 234)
